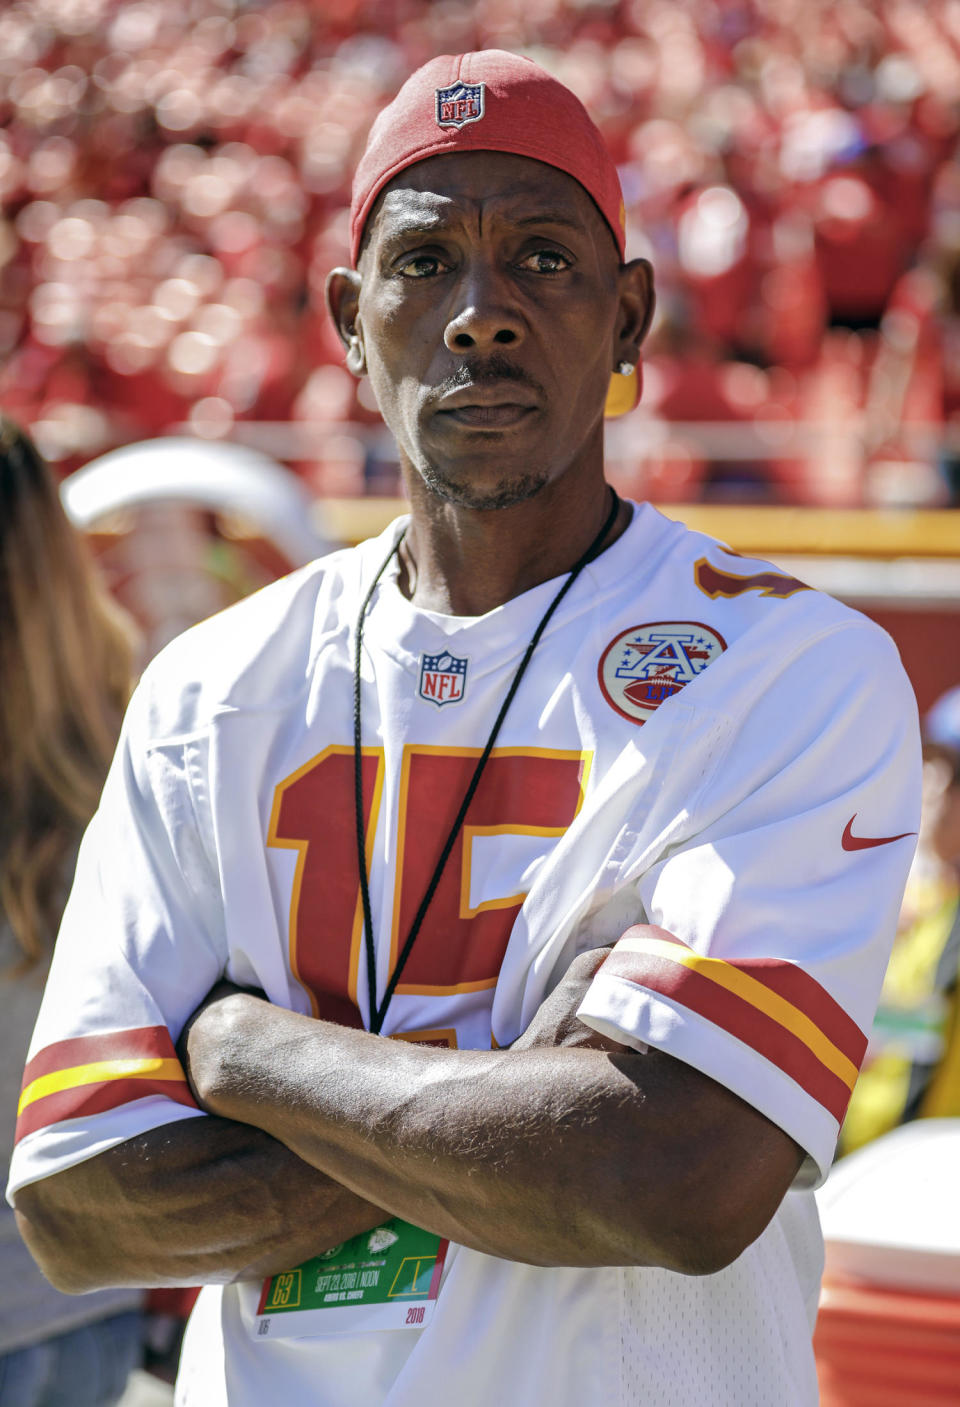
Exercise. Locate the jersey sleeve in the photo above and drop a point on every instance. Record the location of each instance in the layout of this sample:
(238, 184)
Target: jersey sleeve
(140, 945)
(775, 916)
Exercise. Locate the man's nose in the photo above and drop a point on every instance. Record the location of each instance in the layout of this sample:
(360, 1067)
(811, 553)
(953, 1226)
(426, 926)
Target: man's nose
(482, 317)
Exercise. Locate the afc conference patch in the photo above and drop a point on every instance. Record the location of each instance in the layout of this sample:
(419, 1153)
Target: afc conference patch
(443, 678)
(459, 104)
(646, 665)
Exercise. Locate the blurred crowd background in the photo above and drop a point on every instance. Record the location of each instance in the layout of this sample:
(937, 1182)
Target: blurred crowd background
(174, 183)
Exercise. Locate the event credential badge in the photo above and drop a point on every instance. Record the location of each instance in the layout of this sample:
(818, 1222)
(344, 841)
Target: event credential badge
(387, 1278)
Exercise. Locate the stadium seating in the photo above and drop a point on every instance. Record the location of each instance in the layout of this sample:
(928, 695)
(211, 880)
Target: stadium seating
(174, 176)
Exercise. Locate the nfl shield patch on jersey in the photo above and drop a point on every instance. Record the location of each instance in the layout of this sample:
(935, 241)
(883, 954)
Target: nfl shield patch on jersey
(459, 104)
(443, 678)
(646, 665)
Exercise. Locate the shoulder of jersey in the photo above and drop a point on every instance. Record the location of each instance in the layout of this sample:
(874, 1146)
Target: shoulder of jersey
(256, 654)
(706, 580)
(692, 602)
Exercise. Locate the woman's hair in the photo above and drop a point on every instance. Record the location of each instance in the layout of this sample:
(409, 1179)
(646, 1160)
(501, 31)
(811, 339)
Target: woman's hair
(66, 657)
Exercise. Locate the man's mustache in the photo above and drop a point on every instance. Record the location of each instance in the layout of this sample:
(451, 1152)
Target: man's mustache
(477, 371)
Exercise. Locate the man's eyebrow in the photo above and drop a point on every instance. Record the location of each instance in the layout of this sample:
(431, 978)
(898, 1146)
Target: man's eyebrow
(396, 227)
(552, 217)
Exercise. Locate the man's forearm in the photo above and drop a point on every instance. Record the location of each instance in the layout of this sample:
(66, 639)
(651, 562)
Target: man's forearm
(552, 1156)
(200, 1201)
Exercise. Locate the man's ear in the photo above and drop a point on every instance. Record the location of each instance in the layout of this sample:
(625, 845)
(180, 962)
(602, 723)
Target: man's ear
(343, 304)
(637, 302)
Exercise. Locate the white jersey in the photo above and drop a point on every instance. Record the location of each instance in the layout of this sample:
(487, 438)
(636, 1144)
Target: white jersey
(699, 743)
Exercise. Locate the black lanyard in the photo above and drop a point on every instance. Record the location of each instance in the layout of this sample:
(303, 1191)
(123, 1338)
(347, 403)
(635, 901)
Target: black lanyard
(378, 1013)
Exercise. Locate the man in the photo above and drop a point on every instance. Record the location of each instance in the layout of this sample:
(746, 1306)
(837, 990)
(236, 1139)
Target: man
(414, 789)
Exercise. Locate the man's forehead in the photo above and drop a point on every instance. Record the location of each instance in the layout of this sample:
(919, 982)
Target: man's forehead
(442, 189)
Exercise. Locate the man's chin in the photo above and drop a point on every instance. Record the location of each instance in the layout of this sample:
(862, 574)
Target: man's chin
(482, 492)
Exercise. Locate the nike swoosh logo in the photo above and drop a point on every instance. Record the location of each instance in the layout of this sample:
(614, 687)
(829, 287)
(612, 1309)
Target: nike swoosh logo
(849, 841)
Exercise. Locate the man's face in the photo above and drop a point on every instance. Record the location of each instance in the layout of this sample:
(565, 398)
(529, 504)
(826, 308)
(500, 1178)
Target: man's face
(491, 315)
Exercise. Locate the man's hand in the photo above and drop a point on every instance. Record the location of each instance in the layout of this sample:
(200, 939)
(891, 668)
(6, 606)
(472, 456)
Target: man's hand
(557, 1023)
(203, 1046)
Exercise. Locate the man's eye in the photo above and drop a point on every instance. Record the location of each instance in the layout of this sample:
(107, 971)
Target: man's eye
(545, 261)
(420, 266)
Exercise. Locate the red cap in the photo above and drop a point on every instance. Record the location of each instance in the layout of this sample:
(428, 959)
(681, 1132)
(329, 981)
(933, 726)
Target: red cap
(487, 101)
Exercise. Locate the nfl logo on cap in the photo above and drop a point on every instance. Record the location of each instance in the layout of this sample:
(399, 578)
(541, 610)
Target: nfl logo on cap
(459, 104)
(443, 678)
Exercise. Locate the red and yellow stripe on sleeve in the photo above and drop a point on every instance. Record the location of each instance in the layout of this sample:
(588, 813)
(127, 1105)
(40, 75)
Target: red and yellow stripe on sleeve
(90, 1074)
(773, 1006)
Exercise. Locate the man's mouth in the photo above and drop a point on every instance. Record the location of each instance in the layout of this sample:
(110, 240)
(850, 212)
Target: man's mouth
(487, 407)
(488, 417)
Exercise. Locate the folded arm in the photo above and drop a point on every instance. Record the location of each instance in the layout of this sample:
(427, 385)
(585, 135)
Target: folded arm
(565, 1150)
